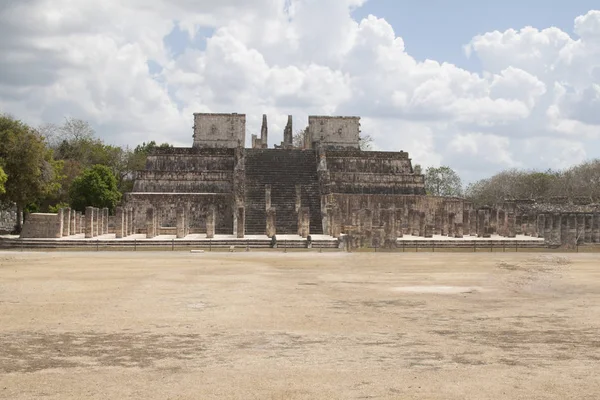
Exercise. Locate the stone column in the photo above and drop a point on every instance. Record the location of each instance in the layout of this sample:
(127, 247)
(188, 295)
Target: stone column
(415, 223)
(451, 224)
(267, 197)
(556, 228)
(580, 228)
(271, 222)
(126, 226)
(180, 221)
(105, 221)
(466, 223)
(445, 227)
(298, 198)
(210, 222)
(596, 228)
(547, 227)
(571, 238)
(336, 222)
(487, 233)
(493, 221)
(305, 230)
(156, 222)
(539, 230)
(480, 223)
(241, 221)
(458, 231)
(60, 221)
(364, 226)
(125, 222)
(186, 221)
(130, 222)
(501, 223)
(589, 221)
(96, 221)
(119, 222)
(511, 229)
(66, 226)
(73, 222)
(399, 216)
(73, 228)
(150, 221)
(89, 222)
(421, 224)
(473, 219)
(81, 222)
(525, 225)
(428, 230)
(388, 217)
(99, 221)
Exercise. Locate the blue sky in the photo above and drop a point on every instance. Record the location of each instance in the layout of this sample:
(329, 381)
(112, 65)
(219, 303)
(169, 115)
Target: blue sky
(437, 29)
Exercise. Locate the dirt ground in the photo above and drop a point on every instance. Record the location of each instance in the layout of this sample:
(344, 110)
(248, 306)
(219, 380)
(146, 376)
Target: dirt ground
(299, 326)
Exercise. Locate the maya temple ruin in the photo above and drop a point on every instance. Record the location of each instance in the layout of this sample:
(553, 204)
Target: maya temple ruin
(326, 186)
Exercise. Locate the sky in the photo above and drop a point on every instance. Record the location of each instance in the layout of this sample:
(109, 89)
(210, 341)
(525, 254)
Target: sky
(478, 86)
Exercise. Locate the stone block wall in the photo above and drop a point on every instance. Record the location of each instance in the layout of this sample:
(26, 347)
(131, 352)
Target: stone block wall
(184, 182)
(372, 172)
(186, 159)
(8, 220)
(219, 130)
(333, 132)
(42, 225)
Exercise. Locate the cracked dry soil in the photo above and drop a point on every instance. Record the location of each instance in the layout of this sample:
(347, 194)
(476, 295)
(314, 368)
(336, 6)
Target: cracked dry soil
(299, 326)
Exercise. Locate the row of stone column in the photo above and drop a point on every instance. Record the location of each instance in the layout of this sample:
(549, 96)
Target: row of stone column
(96, 221)
(124, 222)
(569, 228)
(182, 219)
(70, 222)
(394, 224)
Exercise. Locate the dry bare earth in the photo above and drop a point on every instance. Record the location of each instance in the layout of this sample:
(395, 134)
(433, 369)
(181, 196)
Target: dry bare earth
(299, 326)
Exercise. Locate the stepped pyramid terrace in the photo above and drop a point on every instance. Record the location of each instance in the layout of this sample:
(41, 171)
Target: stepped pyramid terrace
(325, 189)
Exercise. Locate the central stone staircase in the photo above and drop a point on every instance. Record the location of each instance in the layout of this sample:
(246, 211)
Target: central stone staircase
(283, 170)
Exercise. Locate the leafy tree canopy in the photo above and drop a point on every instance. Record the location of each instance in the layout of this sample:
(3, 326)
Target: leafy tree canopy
(442, 181)
(28, 162)
(96, 187)
(3, 178)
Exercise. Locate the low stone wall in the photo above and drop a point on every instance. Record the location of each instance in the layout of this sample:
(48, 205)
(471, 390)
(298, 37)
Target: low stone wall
(39, 225)
(8, 220)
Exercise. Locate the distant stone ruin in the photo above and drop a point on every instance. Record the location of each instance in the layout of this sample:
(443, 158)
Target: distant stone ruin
(327, 186)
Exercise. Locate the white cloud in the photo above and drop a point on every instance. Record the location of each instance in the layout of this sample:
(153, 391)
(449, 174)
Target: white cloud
(538, 88)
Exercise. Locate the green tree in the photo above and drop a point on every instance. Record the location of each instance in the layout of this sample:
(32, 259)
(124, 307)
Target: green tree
(442, 181)
(28, 162)
(76, 145)
(96, 187)
(516, 184)
(3, 179)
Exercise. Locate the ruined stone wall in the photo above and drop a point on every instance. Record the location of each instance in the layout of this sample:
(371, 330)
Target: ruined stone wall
(187, 159)
(184, 182)
(334, 132)
(436, 209)
(187, 170)
(196, 205)
(372, 172)
(41, 225)
(219, 130)
(8, 220)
